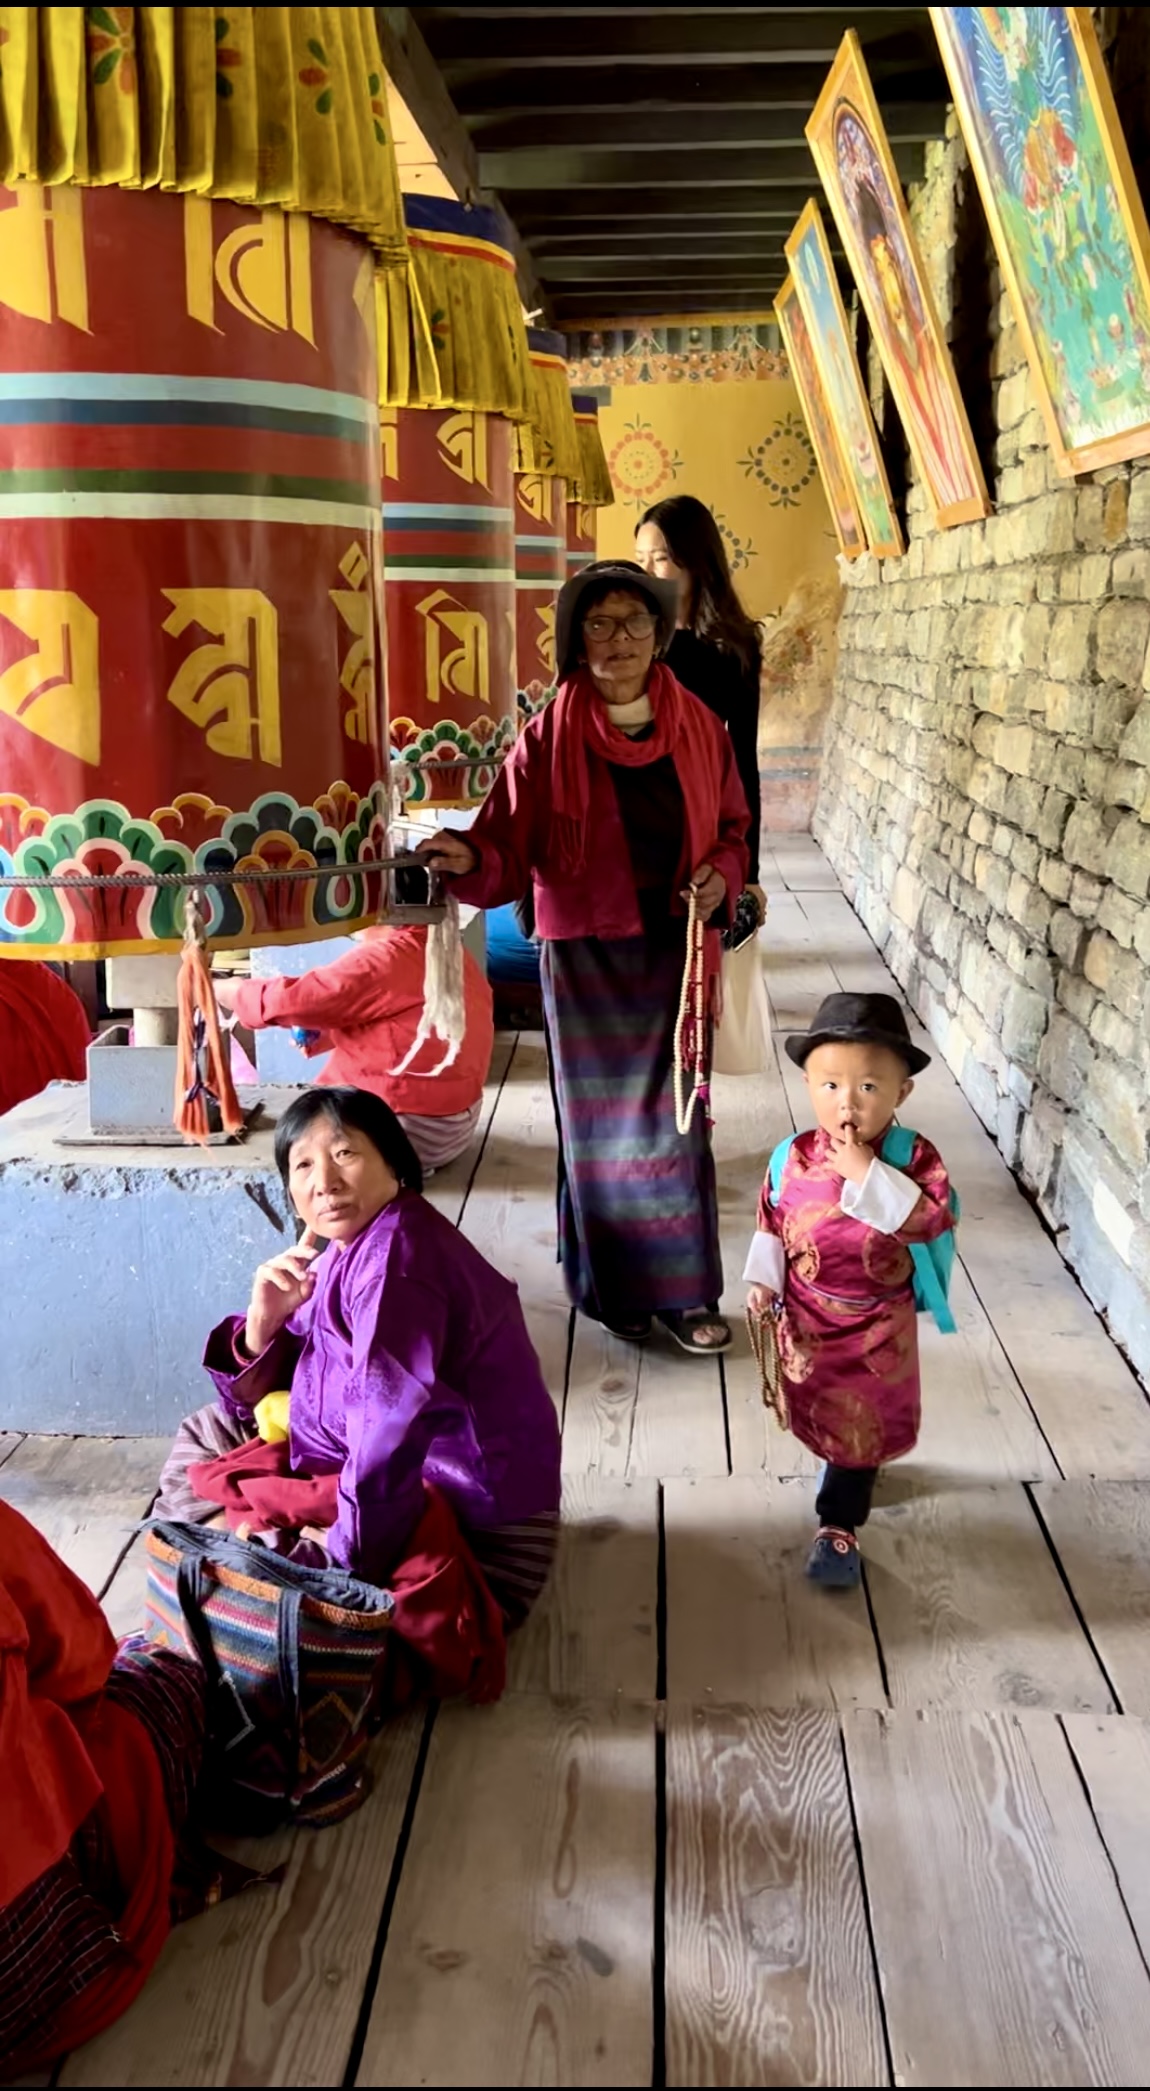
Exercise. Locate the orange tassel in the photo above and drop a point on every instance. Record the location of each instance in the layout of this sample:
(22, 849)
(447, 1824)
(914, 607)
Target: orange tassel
(199, 1034)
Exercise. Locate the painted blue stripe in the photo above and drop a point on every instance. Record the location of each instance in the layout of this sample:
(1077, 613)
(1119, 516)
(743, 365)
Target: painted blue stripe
(448, 573)
(248, 392)
(187, 413)
(541, 544)
(411, 515)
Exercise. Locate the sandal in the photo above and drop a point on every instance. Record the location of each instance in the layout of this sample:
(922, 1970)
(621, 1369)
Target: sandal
(628, 1331)
(684, 1328)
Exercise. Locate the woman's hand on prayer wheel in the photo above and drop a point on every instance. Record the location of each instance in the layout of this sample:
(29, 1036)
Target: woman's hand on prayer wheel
(450, 853)
(710, 890)
(280, 1288)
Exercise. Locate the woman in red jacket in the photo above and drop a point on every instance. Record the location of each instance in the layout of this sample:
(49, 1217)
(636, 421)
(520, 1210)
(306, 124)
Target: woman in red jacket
(616, 799)
(364, 1010)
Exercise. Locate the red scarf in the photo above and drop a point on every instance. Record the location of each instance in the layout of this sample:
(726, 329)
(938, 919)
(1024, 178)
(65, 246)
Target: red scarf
(682, 729)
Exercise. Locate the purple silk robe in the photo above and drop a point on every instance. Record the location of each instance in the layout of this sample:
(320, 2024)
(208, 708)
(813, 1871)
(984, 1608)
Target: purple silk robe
(411, 1360)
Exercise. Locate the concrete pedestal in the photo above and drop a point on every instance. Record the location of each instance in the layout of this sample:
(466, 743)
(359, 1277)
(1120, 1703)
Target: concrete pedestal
(118, 1262)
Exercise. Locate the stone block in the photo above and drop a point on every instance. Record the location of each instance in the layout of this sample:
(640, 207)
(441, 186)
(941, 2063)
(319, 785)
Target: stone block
(1013, 749)
(1138, 512)
(1024, 856)
(1115, 1033)
(1067, 937)
(1126, 784)
(1119, 916)
(1121, 638)
(1115, 709)
(1024, 1022)
(1029, 906)
(984, 734)
(1115, 511)
(1077, 997)
(1087, 842)
(1014, 399)
(1062, 708)
(1055, 877)
(1065, 1058)
(1127, 860)
(1039, 1145)
(1115, 1100)
(1130, 574)
(906, 896)
(1085, 896)
(1085, 580)
(1008, 1130)
(1134, 745)
(1068, 646)
(1088, 518)
(1142, 935)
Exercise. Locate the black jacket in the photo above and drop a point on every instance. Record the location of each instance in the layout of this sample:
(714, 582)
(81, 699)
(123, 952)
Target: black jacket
(732, 693)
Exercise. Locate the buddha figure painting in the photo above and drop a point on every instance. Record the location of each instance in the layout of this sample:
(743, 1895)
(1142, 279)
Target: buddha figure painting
(1040, 123)
(859, 174)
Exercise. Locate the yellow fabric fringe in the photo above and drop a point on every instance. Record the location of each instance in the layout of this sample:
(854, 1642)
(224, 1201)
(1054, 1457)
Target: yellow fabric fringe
(470, 299)
(548, 443)
(592, 483)
(262, 105)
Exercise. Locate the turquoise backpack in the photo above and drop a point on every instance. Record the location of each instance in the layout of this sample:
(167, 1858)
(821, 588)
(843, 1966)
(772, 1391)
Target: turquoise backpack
(933, 1261)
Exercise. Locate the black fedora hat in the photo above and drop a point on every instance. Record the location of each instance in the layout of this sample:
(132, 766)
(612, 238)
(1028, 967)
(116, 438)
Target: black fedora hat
(859, 1020)
(605, 574)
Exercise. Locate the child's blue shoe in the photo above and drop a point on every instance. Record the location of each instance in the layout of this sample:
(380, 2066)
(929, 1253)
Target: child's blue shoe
(834, 1560)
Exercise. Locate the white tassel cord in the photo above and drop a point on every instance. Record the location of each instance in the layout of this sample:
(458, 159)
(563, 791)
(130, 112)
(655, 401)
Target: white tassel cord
(443, 1004)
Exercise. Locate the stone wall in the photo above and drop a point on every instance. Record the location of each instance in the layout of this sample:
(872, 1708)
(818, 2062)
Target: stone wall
(986, 782)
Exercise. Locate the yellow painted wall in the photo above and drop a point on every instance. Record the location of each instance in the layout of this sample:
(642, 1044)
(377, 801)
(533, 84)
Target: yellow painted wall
(740, 447)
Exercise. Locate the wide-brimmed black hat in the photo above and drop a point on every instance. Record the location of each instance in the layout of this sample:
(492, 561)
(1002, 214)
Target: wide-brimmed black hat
(663, 597)
(859, 1020)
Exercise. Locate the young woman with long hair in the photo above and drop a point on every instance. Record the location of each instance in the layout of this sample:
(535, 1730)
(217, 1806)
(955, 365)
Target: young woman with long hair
(715, 649)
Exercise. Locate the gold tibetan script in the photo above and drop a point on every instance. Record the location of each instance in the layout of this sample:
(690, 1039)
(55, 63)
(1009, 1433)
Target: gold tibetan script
(231, 689)
(462, 440)
(42, 268)
(263, 270)
(456, 652)
(546, 639)
(389, 441)
(534, 496)
(54, 691)
(357, 675)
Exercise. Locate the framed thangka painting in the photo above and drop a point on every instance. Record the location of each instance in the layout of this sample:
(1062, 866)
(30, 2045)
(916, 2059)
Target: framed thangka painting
(1042, 130)
(833, 358)
(844, 508)
(854, 159)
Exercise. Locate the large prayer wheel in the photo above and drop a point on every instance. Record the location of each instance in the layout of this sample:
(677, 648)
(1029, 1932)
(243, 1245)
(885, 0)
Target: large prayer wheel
(449, 520)
(189, 568)
(541, 520)
(583, 500)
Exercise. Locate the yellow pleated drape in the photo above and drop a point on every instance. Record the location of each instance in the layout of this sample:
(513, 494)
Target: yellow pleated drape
(547, 443)
(467, 309)
(592, 483)
(262, 105)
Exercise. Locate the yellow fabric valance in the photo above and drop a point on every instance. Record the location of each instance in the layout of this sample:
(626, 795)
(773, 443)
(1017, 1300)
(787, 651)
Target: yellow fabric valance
(261, 105)
(592, 486)
(469, 301)
(548, 443)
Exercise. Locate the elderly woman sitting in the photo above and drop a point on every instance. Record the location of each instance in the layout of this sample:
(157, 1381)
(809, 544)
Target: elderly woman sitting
(408, 1363)
(617, 799)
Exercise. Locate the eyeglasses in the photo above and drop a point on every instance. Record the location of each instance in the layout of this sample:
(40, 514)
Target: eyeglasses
(638, 625)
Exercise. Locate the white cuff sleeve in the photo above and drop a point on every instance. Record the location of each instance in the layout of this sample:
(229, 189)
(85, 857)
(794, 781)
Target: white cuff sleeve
(766, 1263)
(884, 1200)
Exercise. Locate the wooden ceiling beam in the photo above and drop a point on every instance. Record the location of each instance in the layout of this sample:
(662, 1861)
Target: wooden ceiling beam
(732, 168)
(631, 268)
(410, 65)
(685, 130)
(562, 36)
(493, 98)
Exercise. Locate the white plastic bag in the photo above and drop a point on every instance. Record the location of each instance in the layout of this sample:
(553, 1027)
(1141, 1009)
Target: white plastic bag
(743, 1033)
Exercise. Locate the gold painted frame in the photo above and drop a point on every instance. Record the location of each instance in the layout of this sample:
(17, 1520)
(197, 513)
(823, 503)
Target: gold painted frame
(840, 498)
(1045, 350)
(848, 408)
(896, 294)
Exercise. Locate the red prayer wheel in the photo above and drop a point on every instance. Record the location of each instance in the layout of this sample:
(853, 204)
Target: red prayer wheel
(449, 542)
(540, 556)
(450, 600)
(582, 531)
(189, 569)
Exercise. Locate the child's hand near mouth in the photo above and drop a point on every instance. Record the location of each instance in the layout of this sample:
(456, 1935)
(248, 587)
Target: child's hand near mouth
(852, 1156)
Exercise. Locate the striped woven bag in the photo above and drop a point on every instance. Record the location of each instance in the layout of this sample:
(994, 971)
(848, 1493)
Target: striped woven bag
(295, 1662)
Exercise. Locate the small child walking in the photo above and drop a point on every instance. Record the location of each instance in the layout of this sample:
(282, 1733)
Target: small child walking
(831, 1262)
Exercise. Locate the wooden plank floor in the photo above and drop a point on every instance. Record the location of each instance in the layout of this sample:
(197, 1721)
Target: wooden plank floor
(724, 1828)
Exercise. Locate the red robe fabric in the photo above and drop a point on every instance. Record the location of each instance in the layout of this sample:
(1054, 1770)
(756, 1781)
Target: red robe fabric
(64, 1750)
(44, 1033)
